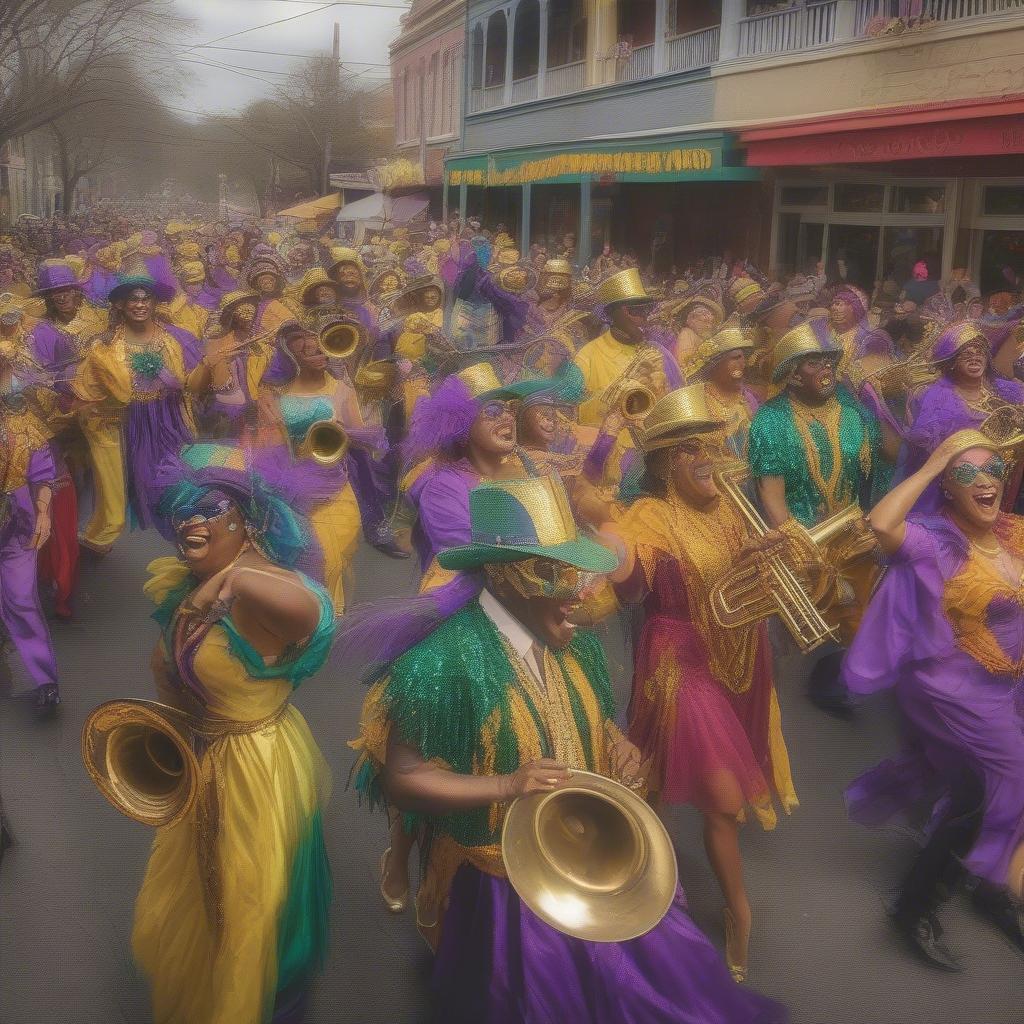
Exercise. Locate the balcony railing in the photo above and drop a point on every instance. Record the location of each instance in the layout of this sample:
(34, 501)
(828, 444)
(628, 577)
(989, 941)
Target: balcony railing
(565, 79)
(693, 50)
(638, 65)
(805, 26)
(524, 89)
(797, 28)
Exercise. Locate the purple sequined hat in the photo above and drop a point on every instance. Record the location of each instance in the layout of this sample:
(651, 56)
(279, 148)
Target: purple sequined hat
(54, 275)
(954, 338)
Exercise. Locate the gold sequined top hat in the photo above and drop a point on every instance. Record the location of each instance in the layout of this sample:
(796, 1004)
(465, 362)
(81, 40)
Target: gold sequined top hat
(730, 338)
(678, 414)
(481, 379)
(812, 337)
(232, 299)
(515, 519)
(558, 267)
(342, 254)
(624, 286)
(313, 279)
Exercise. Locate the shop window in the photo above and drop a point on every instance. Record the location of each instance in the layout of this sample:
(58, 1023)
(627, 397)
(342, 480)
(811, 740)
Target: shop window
(853, 255)
(799, 246)
(918, 199)
(902, 247)
(805, 195)
(1002, 261)
(1004, 200)
(857, 197)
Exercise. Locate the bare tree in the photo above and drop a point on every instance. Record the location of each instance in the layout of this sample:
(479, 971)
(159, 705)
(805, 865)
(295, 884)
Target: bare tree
(58, 57)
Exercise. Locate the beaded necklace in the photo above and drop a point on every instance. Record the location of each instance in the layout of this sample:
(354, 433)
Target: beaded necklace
(828, 417)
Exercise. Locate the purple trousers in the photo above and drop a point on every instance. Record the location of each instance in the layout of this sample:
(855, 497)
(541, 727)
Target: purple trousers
(20, 611)
(498, 963)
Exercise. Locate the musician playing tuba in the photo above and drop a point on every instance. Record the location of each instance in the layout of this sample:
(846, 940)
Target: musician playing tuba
(501, 700)
(703, 706)
(231, 920)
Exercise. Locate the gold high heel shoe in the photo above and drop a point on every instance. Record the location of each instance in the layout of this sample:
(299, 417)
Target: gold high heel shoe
(395, 905)
(735, 948)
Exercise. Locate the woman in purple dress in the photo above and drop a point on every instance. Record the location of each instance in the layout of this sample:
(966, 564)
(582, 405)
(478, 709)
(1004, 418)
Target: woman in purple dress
(946, 631)
(966, 392)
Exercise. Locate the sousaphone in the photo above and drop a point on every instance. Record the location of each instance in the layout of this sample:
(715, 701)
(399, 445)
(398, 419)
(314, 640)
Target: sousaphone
(591, 858)
(141, 756)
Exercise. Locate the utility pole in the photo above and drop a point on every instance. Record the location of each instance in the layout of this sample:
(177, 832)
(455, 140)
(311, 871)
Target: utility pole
(335, 87)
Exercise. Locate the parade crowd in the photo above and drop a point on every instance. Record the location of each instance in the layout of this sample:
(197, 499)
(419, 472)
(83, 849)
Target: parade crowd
(740, 468)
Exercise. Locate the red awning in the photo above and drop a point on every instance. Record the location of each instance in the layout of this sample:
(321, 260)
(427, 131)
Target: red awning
(992, 127)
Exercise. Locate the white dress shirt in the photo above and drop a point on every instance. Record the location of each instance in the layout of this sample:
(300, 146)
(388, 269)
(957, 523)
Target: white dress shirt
(523, 642)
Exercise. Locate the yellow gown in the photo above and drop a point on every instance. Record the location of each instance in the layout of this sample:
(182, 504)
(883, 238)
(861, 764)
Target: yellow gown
(233, 911)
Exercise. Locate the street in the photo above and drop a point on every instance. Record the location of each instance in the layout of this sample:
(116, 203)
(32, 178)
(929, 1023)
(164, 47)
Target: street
(818, 884)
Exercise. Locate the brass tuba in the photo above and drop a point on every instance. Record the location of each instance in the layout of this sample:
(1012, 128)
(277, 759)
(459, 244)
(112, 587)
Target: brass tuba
(141, 756)
(745, 594)
(591, 858)
(342, 338)
(325, 442)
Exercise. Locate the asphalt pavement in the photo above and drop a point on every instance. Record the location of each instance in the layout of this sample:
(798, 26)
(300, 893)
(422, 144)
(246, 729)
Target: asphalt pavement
(818, 883)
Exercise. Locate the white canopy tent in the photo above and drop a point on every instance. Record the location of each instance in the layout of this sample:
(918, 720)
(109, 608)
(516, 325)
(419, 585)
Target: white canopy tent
(373, 213)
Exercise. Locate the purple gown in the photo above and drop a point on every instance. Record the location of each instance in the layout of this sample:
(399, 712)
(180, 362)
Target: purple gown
(959, 716)
(440, 495)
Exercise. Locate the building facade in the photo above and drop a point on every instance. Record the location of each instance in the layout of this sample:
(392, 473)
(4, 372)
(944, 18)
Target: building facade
(427, 80)
(876, 132)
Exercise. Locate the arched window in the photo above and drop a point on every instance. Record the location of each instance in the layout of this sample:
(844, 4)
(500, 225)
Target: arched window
(497, 46)
(525, 40)
(567, 32)
(478, 56)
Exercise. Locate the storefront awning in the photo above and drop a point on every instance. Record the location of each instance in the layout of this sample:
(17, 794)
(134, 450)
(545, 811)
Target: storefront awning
(954, 129)
(315, 207)
(683, 158)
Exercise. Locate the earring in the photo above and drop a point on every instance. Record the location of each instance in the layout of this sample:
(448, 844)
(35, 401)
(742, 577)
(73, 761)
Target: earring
(232, 527)
(946, 494)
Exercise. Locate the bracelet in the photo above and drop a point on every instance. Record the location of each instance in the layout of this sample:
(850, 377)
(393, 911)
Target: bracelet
(231, 385)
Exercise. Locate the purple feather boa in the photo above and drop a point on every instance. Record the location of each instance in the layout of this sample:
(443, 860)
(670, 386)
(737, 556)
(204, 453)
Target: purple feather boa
(440, 423)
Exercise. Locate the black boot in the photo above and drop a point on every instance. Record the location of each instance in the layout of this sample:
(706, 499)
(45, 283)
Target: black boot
(924, 934)
(825, 689)
(47, 697)
(1001, 907)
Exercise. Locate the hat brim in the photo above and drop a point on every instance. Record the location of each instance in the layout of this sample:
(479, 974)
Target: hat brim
(676, 435)
(39, 292)
(581, 553)
(783, 368)
(522, 389)
(160, 291)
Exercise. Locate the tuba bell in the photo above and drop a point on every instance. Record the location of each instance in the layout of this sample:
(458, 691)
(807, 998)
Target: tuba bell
(325, 442)
(141, 756)
(341, 339)
(591, 858)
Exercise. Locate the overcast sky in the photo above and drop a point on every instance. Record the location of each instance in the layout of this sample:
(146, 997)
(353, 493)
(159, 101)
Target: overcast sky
(365, 35)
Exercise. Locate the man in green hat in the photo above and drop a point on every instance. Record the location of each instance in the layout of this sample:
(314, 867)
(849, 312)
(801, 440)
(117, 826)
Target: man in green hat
(503, 699)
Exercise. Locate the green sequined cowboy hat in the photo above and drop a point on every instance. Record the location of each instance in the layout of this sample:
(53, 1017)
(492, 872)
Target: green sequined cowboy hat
(484, 384)
(515, 519)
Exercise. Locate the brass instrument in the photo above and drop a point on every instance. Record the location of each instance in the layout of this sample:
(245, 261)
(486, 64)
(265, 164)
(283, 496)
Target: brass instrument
(635, 402)
(325, 442)
(376, 379)
(647, 356)
(342, 339)
(1004, 424)
(591, 858)
(141, 756)
(904, 377)
(745, 596)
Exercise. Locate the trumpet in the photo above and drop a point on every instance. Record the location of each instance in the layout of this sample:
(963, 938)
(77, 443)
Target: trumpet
(745, 596)
(342, 339)
(326, 442)
(142, 757)
(635, 402)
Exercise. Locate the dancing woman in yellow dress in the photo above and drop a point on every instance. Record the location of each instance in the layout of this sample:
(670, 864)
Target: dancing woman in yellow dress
(232, 919)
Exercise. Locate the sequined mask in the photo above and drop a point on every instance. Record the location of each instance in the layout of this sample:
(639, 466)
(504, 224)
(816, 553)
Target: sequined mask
(540, 577)
(965, 473)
